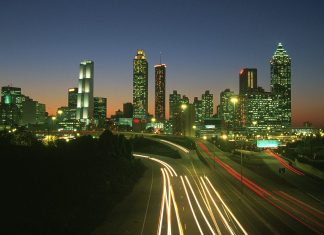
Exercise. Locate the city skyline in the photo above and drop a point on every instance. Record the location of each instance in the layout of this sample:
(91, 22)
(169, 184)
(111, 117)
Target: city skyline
(194, 65)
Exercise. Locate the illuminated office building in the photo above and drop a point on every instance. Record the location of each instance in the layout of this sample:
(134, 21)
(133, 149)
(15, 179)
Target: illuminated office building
(280, 66)
(100, 110)
(198, 110)
(174, 103)
(85, 92)
(140, 86)
(73, 97)
(207, 105)
(260, 112)
(228, 110)
(11, 105)
(248, 80)
(160, 70)
(72, 102)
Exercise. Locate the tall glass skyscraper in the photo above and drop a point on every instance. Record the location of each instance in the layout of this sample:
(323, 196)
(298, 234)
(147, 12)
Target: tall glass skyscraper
(160, 92)
(248, 80)
(100, 110)
(72, 97)
(140, 85)
(280, 66)
(85, 92)
(174, 103)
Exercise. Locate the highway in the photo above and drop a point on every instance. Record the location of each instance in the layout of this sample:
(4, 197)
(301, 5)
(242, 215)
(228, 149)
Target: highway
(206, 195)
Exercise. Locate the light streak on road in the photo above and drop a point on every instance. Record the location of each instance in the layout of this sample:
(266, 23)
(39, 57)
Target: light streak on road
(276, 202)
(227, 208)
(168, 200)
(284, 163)
(206, 201)
(162, 204)
(200, 209)
(190, 204)
(166, 165)
(176, 145)
(218, 210)
(204, 198)
(176, 212)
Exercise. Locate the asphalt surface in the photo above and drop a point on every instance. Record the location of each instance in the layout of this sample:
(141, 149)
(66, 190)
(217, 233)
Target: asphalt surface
(205, 195)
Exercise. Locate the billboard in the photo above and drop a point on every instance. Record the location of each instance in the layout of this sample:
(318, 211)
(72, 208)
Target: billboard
(268, 143)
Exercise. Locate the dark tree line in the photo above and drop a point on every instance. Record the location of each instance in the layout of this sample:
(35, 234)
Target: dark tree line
(309, 149)
(63, 188)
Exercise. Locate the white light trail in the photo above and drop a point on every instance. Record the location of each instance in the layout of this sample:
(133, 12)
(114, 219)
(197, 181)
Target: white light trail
(162, 204)
(176, 145)
(192, 210)
(229, 211)
(168, 203)
(176, 212)
(217, 208)
(201, 211)
(166, 165)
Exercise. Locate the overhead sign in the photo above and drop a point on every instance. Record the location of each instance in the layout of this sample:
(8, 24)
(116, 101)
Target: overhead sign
(268, 143)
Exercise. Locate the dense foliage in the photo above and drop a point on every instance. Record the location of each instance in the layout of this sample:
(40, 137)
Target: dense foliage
(308, 150)
(64, 188)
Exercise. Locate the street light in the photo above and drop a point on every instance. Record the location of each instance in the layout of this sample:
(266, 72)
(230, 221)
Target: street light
(235, 100)
(183, 106)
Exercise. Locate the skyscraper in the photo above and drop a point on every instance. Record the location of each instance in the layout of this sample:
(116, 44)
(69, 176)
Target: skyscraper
(11, 105)
(228, 110)
(100, 110)
(73, 97)
(140, 85)
(85, 92)
(128, 110)
(280, 66)
(207, 105)
(72, 102)
(160, 92)
(198, 110)
(260, 111)
(174, 103)
(248, 80)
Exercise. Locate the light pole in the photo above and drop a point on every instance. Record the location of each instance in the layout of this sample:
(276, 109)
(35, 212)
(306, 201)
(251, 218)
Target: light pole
(234, 100)
(53, 120)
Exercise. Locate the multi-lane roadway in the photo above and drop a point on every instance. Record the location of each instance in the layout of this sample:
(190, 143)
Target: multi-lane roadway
(191, 196)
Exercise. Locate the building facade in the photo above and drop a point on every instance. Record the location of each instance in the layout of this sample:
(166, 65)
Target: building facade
(260, 112)
(72, 102)
(280, 66)
(100, 110)
(248, 80)
(11, 105)
(207, 105)
(174, 103)
(85, 100)
(128, 110)
(228, 110)
(160, 71)
(140, 85)
(198, 111)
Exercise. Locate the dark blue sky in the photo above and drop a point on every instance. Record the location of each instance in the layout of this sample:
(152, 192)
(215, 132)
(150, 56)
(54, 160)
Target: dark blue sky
(204, 44)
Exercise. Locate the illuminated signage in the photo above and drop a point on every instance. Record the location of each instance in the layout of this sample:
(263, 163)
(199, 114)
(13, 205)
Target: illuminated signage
(268, 143)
